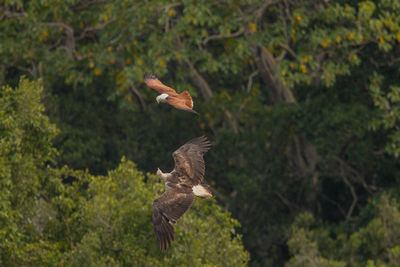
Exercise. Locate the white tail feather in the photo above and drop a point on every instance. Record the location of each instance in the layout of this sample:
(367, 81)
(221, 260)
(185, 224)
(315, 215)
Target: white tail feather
(201, 191)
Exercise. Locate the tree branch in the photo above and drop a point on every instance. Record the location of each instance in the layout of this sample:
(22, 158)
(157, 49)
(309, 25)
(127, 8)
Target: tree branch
(342, 211)
(356, 174)
(139, 98)
(70, 39)
(205, 90)
(287, 48)
(94, 28)
(28, 70)
(260, 11)
(287, 203)
(200, 83)
(267, 67)
(87, 4)
(248, 88)
(301, 152)
(250, 81)
(223, 36)
(169, 6)
(353, 193)
(8, 14)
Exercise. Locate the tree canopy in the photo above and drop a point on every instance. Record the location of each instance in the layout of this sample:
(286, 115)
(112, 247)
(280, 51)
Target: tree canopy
(300, 97)
(61, 217)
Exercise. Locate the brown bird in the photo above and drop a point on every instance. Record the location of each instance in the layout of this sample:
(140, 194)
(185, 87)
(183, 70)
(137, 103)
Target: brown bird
(168, 95)
(181, 186)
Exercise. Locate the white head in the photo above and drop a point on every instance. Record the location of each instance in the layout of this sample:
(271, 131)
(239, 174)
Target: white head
(162, 98)
(159, 172)
(163, 176)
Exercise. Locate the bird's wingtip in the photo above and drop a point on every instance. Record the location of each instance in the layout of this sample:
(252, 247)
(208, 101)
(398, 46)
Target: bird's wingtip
(149, 76)
(193, 111)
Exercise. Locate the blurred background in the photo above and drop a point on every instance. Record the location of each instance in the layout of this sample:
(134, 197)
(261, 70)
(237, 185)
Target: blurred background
(300, 99)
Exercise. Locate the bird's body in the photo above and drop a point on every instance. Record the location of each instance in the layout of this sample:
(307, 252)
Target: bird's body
(168, 95)
(181, 186)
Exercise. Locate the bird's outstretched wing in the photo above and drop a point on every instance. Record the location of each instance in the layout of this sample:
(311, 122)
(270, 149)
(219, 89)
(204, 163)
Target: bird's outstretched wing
(153, 82)
(180, 103)
(167, 209)
(189, 160)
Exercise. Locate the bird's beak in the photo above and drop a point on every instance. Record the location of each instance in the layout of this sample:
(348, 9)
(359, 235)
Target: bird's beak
(158, 101)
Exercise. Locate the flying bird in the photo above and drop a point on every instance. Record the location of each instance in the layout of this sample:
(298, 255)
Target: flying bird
(182, 184)
(168, 95)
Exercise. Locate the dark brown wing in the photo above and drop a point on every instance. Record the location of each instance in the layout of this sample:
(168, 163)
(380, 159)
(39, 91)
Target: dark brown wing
(163, 229)
(153, 82)
(167, 209)
(179, 103)
(189, 160)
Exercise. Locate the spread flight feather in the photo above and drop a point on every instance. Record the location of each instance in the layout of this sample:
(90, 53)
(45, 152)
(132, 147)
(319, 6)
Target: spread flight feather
(182, 185)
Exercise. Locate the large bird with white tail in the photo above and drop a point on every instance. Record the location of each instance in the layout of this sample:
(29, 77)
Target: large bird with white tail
(181, 186)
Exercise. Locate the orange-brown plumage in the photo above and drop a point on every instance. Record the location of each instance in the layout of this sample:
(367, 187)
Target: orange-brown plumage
(168, 95)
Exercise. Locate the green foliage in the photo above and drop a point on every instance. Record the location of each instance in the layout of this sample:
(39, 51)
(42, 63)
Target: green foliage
(61, 217)
(375, 244)
(92, 56)
(25, 144)
(118, 229)
(388, 112)
(25, 150)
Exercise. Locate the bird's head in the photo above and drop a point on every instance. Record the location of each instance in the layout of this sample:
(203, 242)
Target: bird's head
(161, 98)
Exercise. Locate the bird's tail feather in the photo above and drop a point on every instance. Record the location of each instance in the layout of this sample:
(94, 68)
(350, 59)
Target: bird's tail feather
(188, 98)
(202, 191)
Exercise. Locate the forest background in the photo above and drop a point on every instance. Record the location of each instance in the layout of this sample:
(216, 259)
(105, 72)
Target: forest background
(300, 98)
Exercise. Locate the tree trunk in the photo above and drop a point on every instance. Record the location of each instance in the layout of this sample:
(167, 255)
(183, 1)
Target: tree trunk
(301, 153)
(207, 94)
